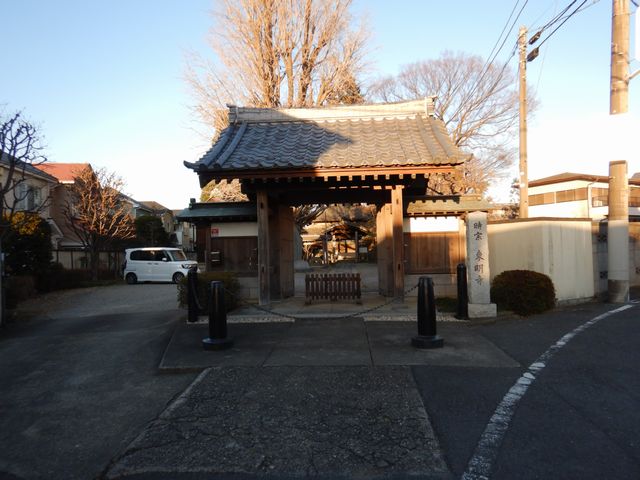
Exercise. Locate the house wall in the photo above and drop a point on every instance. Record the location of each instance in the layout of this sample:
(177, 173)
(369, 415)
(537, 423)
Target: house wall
(60, 197)
(576, 209)
(44, 187)
(235, 229)
(559, 248)
(583, 208)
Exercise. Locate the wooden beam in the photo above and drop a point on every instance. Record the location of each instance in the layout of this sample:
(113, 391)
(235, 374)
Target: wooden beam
(264, 286)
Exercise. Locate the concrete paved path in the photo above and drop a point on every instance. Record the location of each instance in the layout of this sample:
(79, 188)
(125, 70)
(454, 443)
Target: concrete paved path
(330, 342)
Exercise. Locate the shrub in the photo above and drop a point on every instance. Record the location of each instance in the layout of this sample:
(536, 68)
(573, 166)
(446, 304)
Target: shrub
(150, 232)
(231, 284)
(27, 245)
(59, 278)
(18, 289)
(523, 291)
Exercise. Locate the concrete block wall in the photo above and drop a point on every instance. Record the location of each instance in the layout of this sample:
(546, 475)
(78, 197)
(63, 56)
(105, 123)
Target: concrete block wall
(559, 248)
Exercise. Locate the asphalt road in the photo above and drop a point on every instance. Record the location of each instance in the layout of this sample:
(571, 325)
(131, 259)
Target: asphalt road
(578, 420)
(79, 383)
(81, 387)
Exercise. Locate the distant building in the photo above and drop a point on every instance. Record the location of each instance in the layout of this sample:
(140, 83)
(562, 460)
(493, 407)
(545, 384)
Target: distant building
(578, 195)
(62, 236)
(160, 211)
(32, 189)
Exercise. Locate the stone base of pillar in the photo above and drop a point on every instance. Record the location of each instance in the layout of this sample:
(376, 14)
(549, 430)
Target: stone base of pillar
(618, 291)
(482, 310)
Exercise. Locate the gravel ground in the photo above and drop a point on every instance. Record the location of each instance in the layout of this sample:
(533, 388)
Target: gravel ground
(113, 299)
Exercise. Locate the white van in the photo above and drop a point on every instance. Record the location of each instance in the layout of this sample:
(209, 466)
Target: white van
(155, 264)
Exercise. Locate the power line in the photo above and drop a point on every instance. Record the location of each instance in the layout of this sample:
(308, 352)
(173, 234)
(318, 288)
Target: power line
(487, 64)
(563, 22)
(557, 17)
(515, 5)
(490, 59)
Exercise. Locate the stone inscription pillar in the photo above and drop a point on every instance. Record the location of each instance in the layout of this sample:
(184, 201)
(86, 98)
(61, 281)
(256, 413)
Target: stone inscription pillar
(479, 279)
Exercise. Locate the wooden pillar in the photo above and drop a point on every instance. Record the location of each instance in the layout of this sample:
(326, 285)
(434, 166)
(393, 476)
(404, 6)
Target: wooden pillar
(380, 250)
(207, 248)
(384, 250)
(285, 247)
(264, 287)
(398, 242)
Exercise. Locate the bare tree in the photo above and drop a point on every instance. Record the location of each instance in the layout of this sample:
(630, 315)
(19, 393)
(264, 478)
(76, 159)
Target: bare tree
(477, 102)
(305, 214)
(21, 152)
(96, 213)
(272, 53)
(223, 191)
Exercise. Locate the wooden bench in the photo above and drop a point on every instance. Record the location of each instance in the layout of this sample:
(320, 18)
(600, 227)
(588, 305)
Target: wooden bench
(333, 287)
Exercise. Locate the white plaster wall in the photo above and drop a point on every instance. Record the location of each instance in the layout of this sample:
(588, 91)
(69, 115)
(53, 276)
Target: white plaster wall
(561, 249)
(236, 229)
(430, 224)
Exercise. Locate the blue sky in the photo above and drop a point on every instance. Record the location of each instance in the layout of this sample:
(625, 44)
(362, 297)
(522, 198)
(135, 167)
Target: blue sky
(104, 79)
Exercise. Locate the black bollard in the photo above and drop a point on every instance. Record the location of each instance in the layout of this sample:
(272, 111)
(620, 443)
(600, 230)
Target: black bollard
(217, 320)
(427, 335)
(192, 295)
(463, 296)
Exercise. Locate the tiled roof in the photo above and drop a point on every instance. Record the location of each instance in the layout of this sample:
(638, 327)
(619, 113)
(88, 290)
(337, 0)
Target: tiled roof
(64, 172)
(218, 211)
(354, 136)
(6, 160)
(447, 205)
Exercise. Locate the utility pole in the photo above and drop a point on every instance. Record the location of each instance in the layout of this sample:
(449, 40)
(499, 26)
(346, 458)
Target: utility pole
(618, 219)
(522, 72)
(619, 99)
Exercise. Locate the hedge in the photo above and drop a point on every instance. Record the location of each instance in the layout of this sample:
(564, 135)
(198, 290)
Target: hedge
(524, 292)
(231, 285)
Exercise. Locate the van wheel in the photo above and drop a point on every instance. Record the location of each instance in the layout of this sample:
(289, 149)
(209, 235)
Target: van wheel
(177, 277)
(131, 278)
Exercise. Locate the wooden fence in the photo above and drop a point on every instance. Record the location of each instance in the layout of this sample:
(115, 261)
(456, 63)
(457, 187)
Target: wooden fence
(79, 260)
(333, 287)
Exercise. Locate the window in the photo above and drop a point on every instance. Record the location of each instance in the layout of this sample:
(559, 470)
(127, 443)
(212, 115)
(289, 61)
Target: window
(599, 197)
(178, 255)
(142, 255)
(28, 197)
(535, 199)
(33, 198)
(571, 195)
(160, 256)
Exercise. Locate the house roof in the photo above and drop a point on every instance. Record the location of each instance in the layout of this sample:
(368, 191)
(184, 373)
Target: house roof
(570, 177)
(64, 172)
(35, 170)
(354, 137)
(154, 206)
(218, 211)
